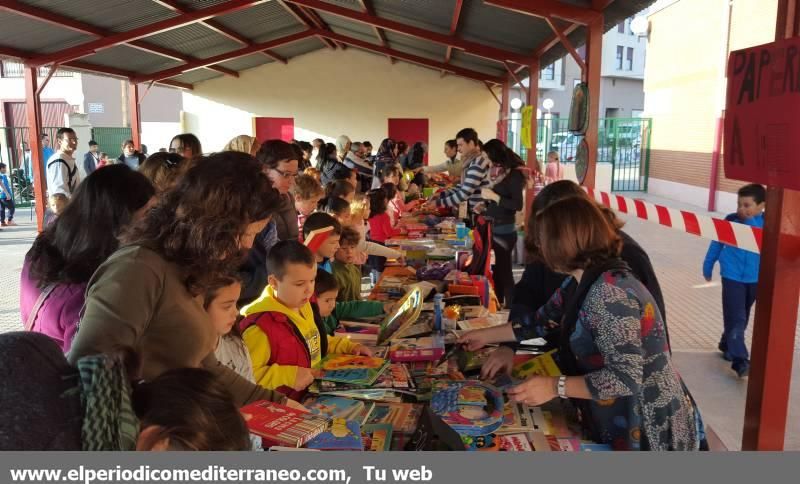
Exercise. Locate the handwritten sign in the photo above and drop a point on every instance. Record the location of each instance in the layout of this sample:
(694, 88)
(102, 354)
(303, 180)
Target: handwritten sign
(762, 116)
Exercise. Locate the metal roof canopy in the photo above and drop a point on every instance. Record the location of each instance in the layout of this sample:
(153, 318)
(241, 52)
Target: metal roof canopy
(165, 40)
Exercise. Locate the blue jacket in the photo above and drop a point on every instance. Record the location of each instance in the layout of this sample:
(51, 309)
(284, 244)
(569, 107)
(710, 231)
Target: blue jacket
(735, 264)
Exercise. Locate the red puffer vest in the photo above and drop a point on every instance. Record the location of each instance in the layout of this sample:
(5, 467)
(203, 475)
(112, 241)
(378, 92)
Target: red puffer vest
(287, 345)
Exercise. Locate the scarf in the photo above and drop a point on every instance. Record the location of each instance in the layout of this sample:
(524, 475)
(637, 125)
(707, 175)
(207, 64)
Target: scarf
(109, 422)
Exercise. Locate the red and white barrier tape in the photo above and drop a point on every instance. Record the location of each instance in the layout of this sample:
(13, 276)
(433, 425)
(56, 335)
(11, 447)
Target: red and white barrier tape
(730, 233)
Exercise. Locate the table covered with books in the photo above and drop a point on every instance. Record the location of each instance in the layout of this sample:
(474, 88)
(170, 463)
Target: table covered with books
(420, 390)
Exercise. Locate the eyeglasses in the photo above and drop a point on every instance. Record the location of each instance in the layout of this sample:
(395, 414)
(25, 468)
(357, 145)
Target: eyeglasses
(285, 174)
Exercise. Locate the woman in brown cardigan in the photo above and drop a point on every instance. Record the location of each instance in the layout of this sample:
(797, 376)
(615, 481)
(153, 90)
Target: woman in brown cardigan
(149, 294)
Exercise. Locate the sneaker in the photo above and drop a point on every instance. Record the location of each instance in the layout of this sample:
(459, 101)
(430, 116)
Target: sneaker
(742, 371)
(727, 356)
(11, 223)
(3, 224)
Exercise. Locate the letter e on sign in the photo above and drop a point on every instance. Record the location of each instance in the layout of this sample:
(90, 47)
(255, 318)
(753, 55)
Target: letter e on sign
(762, 115)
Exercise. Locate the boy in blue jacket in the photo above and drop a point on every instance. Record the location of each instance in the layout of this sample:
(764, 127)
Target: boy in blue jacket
(739, 271)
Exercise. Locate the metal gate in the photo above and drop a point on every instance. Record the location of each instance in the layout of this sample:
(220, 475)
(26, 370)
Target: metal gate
(109, 140)
(623, 142)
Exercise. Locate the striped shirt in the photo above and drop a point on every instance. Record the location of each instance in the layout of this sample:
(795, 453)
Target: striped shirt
(474, 177)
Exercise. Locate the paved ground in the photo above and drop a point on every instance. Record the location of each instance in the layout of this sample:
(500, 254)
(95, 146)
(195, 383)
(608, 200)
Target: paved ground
(693, 307)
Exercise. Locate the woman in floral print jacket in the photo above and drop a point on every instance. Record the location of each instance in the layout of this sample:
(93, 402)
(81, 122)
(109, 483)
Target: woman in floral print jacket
(613, 348)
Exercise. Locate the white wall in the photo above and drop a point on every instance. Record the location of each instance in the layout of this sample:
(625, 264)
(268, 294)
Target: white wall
(66, 89)
(158, 135)
(329, 93)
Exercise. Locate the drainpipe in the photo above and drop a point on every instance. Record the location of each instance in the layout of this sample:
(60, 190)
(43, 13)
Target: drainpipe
(719, 128)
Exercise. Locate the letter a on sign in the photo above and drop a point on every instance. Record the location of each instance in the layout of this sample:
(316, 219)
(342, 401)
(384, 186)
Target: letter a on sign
(762, 126)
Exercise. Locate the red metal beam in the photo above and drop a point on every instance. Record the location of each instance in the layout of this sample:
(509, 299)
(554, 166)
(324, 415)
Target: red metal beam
(319, 23)
(88, 48)
(502, 122)
(552, 8)
(272, 55)
(255, 48)
(366, 6)
(566, 43)
(468, 73)
(135, 110)
(85, 66)
(594, 50)
(517, 81)
(554, 40)
(301, 17)
(453, 29)
(489, 87)
(474, 48)
(33, 109)
(770, 379)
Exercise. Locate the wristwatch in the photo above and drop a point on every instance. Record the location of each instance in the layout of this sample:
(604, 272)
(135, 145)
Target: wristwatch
(562, 386)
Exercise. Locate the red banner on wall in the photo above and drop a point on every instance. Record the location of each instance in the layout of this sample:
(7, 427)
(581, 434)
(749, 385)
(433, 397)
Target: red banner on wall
(762, 116)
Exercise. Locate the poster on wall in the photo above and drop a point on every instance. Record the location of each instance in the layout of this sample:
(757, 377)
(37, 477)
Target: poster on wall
(762, 129)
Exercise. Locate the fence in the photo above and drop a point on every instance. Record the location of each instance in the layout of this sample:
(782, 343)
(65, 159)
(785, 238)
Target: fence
(15, 153)
(623, 142)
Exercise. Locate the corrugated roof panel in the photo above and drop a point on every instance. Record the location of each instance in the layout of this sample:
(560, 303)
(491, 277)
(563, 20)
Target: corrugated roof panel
(502, 28)
(198, 4)
(461, 59)
(197, 75)
(335, 22)
(277, 34)
(364, 36)
(115, 15)
(259, 21)
(435, 14)
(351, 4)
(299, 48)
(32, 35)
(131, 59)
(247, 62)
(195, 40)
(408, 44)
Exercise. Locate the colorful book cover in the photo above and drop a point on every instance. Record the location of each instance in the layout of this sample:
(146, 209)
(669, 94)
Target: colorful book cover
(430, 348)
(406, 313)
(479, 323)
(330, 406)
(353, 369)
(515, 443)
(542, 365)
(377, 437)
(516, 418)
(403, 417)
(468, 407)
(396, 376)
(362, 416)
(282, 425)
(342, 435)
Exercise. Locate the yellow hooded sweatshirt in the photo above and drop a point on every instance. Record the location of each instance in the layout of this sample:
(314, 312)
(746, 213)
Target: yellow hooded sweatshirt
(258, 345)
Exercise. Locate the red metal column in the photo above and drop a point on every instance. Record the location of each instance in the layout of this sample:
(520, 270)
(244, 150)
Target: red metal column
(594, 49)
(532, 161)
(33, 109)
(502, 126)
(776, 311)
(136, 120)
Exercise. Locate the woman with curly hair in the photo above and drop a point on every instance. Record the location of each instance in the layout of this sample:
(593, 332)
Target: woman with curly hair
(149, 294)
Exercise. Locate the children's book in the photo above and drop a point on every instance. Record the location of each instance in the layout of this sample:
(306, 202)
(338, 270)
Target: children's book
(402, 416)
(515, 443)
(405, 314)
(430, 348)
(331, 406)
(361, 332)
(542, 365)
(362, 417)
(281, 425)
(342, 435)
(377, 437)
(516, 418)
(480, 323)
(396, 376)
(353, 369)
(470, 407)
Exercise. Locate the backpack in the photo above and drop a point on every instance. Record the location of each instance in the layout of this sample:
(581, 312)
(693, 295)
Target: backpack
(71, 172)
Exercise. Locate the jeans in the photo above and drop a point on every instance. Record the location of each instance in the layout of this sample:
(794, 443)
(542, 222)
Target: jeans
(737, 300)
(6, 204)
(503, 275)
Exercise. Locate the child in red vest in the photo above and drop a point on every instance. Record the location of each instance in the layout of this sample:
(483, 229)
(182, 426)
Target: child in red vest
(281, 329)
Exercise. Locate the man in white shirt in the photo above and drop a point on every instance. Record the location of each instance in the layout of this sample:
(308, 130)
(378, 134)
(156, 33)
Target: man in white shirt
(62, 173)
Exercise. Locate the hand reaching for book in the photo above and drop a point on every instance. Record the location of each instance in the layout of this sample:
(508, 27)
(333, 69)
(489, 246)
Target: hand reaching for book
(362, 350)
(305, 377)
(293, 404)
(474, 340)
(500, 361)
(536, 390)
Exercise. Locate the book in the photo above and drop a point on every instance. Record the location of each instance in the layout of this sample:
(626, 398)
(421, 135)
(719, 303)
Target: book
(405, 314)
(331, 406)
(356, 331)
(342, 435)
(353, 369)
(403, 417)
(515, 443)
(516, 418)
(281, 425)
(396, 376)
(470, 407)
(479, 323)
(363, 416)
(430, 348)
(377, 437)
(542, 365)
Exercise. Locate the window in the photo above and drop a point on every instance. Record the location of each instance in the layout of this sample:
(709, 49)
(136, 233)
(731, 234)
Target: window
(630, 59)
(621, 27)
(620, 49)
(548, 73)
